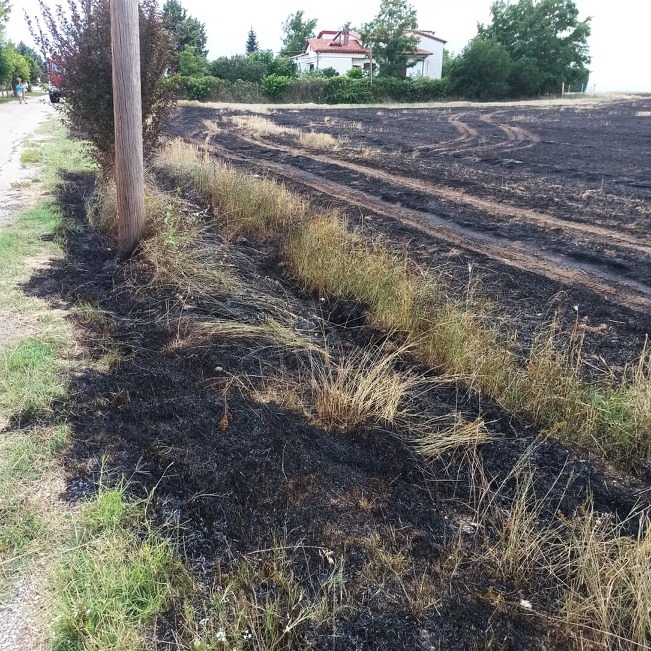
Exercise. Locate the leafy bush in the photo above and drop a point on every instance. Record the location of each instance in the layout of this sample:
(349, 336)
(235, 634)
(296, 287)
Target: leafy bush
(330, 72)
(275, 85)
(344, 90)
(81, 40)
(251, 68)
(198, 88)
(355, 73)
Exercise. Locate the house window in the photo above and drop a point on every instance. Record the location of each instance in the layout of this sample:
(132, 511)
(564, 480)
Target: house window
(311, 67)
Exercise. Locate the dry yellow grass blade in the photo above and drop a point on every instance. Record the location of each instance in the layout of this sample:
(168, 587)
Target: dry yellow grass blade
(461, 434)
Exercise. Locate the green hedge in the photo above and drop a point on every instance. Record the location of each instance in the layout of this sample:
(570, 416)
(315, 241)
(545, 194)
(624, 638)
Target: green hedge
(334, 90)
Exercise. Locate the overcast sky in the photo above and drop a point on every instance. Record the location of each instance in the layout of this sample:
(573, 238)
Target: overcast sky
(620, 43)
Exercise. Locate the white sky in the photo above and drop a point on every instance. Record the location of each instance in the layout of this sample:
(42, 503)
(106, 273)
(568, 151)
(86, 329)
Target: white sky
(620, 43)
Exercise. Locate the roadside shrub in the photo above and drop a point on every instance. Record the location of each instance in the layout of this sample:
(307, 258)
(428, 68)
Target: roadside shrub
(275, 85)
(355, 73)
(344, 90)
(329, 73)
(245, 68)
(80, 37)
(198, 88)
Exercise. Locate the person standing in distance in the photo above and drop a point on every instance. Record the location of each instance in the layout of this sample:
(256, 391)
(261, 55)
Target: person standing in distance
(20, 91)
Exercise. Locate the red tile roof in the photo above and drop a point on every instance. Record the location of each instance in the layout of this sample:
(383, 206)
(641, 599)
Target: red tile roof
(328, 45)
(337, 43)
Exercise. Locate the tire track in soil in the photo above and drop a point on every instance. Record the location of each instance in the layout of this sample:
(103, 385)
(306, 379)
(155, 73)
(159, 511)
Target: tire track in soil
(620, 290)
(637, 242)
(472, 141)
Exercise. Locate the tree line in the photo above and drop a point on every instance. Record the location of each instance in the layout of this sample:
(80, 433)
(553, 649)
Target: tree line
(17, 61)
(529, 48)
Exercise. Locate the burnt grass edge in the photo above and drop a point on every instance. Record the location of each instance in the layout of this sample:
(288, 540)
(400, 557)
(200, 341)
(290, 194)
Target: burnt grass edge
(156, 420)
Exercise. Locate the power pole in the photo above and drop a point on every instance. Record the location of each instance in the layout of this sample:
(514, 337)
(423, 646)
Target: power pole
(127, 113)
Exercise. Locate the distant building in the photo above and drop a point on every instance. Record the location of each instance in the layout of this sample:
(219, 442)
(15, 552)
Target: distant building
(343, 50)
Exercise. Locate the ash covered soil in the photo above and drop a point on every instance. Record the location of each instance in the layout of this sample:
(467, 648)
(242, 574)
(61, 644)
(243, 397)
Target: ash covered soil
(549, 206)
(237, 475)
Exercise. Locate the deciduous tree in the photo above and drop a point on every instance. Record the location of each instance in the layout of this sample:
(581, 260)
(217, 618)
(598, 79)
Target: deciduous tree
(184, 30)
(481, 71)
(80, 38)
(387, 35)
(297, 30)
(546, 42)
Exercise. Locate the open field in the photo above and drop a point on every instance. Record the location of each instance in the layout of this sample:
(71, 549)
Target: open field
(352, 404)
(543, 201)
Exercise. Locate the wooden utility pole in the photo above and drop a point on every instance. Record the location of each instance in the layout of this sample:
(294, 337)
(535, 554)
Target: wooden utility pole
(127, 113)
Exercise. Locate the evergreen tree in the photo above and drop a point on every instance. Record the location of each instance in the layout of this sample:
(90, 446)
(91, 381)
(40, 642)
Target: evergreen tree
(252, 42)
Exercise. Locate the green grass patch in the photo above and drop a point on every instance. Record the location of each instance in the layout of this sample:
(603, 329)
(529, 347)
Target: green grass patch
(21, 524)
(112, 584)
(25, 239)
(26, 456)
(31, 155)
(29, 378)
(61, 154)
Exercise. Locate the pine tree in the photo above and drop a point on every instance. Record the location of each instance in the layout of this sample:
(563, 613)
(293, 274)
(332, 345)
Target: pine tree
(252, 42)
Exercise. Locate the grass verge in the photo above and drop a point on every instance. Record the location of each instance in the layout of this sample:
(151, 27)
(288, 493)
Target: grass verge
(111, 580)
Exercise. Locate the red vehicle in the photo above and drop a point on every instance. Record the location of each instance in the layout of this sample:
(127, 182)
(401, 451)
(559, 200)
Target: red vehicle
(55, 73)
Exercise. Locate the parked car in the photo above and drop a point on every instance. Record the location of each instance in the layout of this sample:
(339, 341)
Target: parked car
(54, 93)
(55, 74)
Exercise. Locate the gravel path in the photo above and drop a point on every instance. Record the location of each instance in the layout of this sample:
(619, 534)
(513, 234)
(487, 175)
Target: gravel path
(19, 615)
(19, 618)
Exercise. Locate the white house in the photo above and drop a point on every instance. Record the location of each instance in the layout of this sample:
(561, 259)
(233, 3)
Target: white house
(343, 50)
(429, 59)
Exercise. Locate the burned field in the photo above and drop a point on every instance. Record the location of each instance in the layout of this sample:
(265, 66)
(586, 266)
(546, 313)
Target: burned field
(540, 201)
(310, 527)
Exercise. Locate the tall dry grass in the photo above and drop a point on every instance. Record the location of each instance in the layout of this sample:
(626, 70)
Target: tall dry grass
(246, 203)
(455, 333)
(602, 574)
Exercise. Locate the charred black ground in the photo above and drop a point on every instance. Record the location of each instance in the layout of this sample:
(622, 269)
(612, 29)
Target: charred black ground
(583, 170)
(268, 476)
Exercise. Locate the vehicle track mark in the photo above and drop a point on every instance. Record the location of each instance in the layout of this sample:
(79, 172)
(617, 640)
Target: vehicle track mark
(511, 254)
(634, 241)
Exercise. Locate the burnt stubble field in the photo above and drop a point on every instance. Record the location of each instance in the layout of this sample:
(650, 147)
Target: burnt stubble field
(542, 201)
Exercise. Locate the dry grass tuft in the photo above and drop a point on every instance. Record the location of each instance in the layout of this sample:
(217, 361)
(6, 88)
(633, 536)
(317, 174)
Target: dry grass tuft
(194, 267)
(264, 127)
(326, 257)
(362, 389)
(601, 575)
(248, 204)
(608, 589)
(268, 333)
(461, 434)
